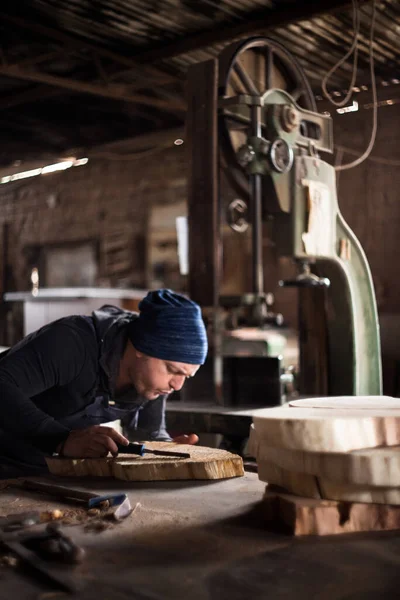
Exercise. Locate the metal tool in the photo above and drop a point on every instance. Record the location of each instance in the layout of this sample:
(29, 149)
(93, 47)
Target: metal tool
(140, 450)
(51, 543)
(119, 501)
(54, 544)
(18, 521)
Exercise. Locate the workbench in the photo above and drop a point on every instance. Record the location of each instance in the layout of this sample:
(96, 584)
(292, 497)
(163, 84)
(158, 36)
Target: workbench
(205, 541)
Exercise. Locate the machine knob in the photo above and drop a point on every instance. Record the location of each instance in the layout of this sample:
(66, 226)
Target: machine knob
(302, 282)
(281, 156)
(306, 279)
(245, 155)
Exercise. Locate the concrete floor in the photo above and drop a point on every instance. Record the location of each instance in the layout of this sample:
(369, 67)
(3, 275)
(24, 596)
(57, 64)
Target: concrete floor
(206, 541)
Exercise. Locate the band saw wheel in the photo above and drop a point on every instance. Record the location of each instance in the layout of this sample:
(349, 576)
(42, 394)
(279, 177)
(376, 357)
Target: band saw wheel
(253, 67)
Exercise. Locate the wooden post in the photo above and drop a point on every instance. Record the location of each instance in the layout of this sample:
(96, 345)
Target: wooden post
(203, 200)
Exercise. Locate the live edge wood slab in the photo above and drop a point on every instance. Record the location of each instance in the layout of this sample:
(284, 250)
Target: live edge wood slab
(337, 425)
(204, 463)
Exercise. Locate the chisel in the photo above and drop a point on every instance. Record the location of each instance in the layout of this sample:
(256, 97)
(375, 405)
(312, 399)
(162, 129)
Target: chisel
(141, 450)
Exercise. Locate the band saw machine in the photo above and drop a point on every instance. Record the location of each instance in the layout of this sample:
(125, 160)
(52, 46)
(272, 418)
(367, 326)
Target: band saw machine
(261, 189)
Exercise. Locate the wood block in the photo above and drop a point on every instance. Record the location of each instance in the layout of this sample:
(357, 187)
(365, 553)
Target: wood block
(204, 463)
(329, 429)
(310, 486)
(369, 467)
(304, 516)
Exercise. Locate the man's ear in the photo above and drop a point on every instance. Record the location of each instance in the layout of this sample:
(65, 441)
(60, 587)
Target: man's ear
(136, 352)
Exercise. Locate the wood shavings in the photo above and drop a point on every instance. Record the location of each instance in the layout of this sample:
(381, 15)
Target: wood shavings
(97, 526)
(51, 515)
(9, 561)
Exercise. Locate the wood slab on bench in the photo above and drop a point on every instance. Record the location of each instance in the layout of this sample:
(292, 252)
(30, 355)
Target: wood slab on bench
(331, 424)
(369, 467)
(310, 486)
(304, 516)
(204, 463)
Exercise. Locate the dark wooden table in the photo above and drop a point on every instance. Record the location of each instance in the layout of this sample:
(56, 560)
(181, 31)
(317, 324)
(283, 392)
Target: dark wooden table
(207, 541)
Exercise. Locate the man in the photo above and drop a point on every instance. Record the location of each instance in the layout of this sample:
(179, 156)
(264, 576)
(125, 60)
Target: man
(59, 383)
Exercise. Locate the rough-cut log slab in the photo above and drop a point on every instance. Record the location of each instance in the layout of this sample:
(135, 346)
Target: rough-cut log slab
(370, 467)
(204, 463)
(304, 516)
(328, 429)
(303, 484)
(349, 403)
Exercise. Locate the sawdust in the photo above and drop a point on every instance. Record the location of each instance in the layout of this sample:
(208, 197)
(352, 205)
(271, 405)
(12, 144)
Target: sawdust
(8, 560)
(51, 515)
(97, 526)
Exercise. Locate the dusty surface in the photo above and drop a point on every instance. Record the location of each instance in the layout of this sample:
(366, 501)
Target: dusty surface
(206, 541)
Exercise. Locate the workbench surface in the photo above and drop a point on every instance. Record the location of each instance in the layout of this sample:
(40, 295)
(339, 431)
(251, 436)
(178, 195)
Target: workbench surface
(205, 541)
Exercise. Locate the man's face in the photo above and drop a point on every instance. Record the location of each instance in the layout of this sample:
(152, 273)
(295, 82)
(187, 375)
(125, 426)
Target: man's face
(153, 377)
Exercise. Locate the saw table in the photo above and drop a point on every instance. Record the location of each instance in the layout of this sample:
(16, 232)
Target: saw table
(205, 541)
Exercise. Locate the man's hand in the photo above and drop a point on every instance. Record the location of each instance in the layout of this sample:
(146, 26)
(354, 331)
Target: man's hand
(94, 442)
(190, 438)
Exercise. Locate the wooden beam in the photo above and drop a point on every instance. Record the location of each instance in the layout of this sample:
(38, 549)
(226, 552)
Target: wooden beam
(257, 21)
(34, 93)
(115, 91)
(202, 135)
(69, 40)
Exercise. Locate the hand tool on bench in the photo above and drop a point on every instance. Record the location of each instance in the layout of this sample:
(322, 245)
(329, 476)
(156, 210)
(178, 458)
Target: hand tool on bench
(116, 500)
(141, 450)
(18, 521)
(51, 543)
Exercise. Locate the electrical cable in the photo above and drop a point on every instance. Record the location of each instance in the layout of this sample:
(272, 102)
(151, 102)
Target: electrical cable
(368, 151)
(353, 49)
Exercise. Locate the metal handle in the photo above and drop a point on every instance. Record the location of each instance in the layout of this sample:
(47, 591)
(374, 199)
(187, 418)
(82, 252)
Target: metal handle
(306, 281)
(57, 490)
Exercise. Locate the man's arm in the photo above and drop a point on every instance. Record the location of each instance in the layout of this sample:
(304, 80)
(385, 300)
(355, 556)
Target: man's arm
(55, 357)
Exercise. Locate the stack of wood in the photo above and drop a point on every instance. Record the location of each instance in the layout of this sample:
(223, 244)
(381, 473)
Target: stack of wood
(332, 464)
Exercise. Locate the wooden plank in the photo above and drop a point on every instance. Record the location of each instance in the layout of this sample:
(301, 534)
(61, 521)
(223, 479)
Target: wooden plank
(304, 516)
(204, 463)
(327, 429)
(203, 218)
(378, 467)
(310, 486)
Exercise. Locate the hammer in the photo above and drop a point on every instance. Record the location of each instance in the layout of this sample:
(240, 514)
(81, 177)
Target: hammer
(118, 500)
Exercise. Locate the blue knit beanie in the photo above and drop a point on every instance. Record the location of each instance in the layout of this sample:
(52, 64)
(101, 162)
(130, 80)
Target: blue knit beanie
(170, 327)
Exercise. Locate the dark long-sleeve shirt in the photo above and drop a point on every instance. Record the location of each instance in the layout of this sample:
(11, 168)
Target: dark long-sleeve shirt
(50, 381)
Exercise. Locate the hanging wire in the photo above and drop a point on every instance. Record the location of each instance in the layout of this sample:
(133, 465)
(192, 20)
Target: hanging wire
(353, 49)
(368, 151)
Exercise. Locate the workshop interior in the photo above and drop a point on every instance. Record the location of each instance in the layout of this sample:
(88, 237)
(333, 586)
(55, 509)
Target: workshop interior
(245, 154)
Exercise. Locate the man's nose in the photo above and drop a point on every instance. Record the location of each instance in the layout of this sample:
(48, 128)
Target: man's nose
(177, 382)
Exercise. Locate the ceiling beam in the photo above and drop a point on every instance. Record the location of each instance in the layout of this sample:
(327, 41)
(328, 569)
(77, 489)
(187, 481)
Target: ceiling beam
(254, 22)
(118, 92)
(71, 41)
(26, 96)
